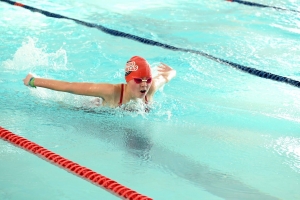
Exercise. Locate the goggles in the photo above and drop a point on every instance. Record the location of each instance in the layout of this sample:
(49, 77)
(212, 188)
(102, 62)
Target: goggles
(139, 80)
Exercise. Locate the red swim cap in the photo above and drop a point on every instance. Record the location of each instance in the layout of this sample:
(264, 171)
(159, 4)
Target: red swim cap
(137, 67)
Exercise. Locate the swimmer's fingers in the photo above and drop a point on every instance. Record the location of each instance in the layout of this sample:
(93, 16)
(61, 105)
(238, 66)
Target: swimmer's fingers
(27, 79)
(164, 68)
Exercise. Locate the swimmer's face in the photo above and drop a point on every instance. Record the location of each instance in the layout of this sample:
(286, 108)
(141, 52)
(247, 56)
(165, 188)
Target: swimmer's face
(140, 86)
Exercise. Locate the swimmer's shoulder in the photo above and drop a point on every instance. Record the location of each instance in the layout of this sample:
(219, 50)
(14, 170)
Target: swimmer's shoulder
(111, 94)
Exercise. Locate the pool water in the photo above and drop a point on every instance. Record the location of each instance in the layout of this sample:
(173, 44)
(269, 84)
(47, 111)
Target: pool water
(214, 132)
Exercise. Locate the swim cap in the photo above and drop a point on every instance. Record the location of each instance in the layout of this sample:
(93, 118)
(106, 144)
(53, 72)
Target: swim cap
(137, 67)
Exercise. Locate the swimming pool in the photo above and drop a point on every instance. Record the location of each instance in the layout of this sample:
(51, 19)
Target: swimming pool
(214, 132)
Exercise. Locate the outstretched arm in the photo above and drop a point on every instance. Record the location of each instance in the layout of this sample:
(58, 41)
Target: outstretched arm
(89, 89)
(165, 74)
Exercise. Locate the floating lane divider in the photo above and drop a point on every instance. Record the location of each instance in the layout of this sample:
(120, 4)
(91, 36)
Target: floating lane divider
(249, 70)
(248, 3)
(85, 173)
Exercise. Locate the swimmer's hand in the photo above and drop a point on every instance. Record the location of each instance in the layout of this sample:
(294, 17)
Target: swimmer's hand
(166, 71)
(27, 79)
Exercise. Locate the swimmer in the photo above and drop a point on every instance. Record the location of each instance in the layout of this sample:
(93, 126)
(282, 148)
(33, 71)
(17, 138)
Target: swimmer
(140, 85)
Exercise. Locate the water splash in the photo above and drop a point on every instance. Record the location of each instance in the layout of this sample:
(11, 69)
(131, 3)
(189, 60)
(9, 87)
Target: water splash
(30, 57)
(136, 107)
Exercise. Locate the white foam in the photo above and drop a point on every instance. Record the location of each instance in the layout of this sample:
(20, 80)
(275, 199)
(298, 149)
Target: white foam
(29, 57)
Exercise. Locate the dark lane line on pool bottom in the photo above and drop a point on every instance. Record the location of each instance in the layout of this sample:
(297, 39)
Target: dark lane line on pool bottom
(139, 143)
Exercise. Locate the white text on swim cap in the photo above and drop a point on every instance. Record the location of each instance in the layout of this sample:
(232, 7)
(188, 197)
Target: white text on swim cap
(131, 66)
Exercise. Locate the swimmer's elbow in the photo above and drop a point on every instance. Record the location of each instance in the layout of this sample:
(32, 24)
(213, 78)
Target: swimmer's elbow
(86, 89)
(71, 87)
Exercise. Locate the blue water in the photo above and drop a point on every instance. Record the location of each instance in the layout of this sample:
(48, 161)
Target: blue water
(214, 132)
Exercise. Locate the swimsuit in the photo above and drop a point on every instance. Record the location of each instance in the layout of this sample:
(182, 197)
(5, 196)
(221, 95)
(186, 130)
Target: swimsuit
(121, 97)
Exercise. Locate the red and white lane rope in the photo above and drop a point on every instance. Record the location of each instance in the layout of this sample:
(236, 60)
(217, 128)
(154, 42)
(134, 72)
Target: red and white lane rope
(71, 166)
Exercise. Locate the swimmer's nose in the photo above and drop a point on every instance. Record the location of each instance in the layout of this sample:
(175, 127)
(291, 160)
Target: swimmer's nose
(144, 84)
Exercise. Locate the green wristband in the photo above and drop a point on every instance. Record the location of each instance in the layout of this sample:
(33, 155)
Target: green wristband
(31, 82)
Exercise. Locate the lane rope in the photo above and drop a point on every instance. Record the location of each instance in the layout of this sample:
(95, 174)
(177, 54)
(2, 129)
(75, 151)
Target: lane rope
(249, 70)
(70, 166)
(248, 3)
